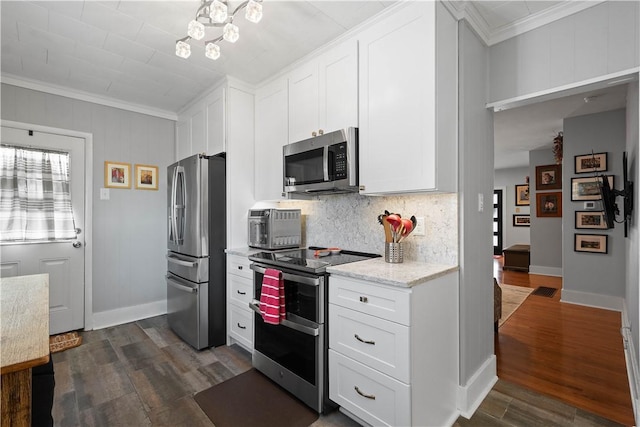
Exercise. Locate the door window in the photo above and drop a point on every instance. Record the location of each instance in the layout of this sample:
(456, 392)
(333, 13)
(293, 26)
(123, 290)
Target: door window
(35, 202)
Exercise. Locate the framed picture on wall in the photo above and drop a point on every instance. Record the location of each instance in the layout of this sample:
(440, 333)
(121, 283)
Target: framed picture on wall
(591, 163)
(146, 177)
(117, 175)
(549, 177)
(522, 195)
(549, 205)
(587, 188)
(594, 243)
(590, 219)
(521, 220)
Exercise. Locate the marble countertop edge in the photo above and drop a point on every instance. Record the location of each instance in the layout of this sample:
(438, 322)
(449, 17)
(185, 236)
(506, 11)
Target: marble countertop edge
(405, 274)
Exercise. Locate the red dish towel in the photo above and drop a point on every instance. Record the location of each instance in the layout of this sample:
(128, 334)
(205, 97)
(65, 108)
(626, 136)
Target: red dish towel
(272, 307)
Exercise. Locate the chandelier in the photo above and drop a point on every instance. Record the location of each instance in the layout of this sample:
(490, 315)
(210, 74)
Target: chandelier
(215, 13)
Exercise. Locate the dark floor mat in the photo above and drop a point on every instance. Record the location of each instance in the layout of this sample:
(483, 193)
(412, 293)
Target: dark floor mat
(544, 291)
(251, 399)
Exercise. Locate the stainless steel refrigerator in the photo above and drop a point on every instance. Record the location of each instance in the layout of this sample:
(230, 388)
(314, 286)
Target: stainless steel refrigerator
(196, 267)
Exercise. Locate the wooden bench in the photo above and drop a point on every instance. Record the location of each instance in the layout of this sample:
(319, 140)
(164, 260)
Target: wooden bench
(516, 257)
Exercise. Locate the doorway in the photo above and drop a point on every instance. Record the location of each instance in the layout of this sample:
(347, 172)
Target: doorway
(65, 258)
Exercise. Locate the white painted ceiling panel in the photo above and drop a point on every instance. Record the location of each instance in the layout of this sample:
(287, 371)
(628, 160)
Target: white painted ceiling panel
(125, 50)
(74, 29)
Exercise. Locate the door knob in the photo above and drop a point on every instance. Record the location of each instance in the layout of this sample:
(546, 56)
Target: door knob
(77, 244)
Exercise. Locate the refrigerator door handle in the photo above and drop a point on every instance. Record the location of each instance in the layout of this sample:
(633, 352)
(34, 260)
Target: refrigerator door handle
(177, 285)
(172, 204)
(181, 262)
(181, 206)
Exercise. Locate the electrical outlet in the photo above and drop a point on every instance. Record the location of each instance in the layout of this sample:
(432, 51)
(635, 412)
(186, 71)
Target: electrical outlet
(419, 231)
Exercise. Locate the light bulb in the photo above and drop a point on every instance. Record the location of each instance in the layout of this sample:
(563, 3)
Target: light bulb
(183, 49)
(195, 30)
(218, 11)
(212, 51)
(231, 33)
(253, 12)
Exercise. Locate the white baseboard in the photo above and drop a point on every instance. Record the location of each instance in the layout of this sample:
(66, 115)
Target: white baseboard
(471, 395)
(632, 364)
(105, 319)
(545, 271)
(606, 302)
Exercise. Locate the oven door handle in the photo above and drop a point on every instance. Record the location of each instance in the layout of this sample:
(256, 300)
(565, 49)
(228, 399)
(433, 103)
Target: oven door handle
(312, 281)
(313, 331)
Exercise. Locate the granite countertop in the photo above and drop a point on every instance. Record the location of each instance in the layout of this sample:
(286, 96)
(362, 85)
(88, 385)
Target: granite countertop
(243, 251)
(405, 274)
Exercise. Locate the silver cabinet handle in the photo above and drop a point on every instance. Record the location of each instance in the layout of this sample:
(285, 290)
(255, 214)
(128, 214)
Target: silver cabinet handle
(77, 244)
(364, 299)
(241, 327)
(368, 396)
(240, 293)
(181, 262)
(364, 341)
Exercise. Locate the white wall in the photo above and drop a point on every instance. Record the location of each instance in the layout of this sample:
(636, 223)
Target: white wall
(632, 259)
(509, 178)
(129, 237)
(600, 40)
(546, 233)
(601, 274)
(477, 360)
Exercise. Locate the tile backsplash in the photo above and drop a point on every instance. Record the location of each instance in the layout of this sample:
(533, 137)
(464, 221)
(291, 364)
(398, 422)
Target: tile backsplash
(350, 221)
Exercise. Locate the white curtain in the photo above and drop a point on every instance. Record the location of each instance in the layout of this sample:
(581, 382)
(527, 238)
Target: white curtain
(35, 198)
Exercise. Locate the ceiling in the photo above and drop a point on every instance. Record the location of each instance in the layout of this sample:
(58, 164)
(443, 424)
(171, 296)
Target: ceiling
(124, 51)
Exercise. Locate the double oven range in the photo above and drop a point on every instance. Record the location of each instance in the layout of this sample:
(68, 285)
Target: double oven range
(294, 354)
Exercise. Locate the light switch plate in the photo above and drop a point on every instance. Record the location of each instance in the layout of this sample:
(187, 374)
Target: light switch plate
(419, 231)
(104, 194)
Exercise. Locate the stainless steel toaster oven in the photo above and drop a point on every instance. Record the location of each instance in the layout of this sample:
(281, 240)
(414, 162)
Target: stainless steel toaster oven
(274, 228)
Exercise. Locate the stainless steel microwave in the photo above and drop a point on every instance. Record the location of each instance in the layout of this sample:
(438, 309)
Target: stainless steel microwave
(323, 164)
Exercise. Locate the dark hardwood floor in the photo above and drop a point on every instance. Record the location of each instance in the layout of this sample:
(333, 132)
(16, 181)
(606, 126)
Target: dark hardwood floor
(142, 374)
(569, 352)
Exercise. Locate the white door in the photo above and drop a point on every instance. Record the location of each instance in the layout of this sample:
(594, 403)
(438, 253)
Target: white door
(63, 260)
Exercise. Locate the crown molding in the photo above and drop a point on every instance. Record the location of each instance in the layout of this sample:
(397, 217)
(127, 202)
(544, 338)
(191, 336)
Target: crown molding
(467, 10)
(544, 17)
(14, 80)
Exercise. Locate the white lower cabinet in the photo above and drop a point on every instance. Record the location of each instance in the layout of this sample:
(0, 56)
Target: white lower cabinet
(374, 397)
(393, 350)
(239, 295)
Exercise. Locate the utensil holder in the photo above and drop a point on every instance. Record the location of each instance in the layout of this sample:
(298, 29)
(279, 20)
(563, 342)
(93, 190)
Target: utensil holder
(393, 252)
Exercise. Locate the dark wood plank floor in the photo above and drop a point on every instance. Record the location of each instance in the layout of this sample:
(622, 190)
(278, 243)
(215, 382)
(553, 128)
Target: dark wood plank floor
(142, 374)
(570, 352)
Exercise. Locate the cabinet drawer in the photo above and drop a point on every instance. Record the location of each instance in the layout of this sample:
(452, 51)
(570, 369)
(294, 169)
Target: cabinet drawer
(367, 393)
(239, 265)
(380, 344)
(380, 301)
(240, 290)
(241, 325)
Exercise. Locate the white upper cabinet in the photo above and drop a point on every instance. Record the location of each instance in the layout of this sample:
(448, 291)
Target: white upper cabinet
(323, 93)
(408, 101)
(271, 135)
(216, 137)
(201, 128)
(338, 93)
